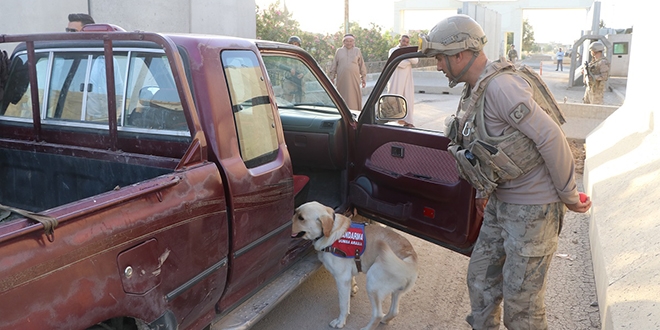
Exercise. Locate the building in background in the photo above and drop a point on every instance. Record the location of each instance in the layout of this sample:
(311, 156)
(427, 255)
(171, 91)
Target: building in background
(406, 13)
(226, 17)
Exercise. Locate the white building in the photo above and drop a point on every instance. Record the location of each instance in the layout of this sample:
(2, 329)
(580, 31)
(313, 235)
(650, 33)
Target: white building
(227, 17)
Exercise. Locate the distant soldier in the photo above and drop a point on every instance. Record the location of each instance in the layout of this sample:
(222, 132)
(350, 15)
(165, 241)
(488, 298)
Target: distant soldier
(595, 74)
(513, 54)
(294, 84)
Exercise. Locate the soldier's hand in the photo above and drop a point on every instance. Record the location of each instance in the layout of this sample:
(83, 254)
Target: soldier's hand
(580, 207)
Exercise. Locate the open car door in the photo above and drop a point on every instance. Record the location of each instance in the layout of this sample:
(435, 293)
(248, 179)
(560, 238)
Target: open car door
(405, 177)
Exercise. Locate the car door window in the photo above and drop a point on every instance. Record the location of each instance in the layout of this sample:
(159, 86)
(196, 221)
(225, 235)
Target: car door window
(428, 99)
(253, 114)
(295, 86)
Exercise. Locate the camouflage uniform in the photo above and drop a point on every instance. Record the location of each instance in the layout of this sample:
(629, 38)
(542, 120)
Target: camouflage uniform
(523, 216)
(294, 84)
(598, 72)
(511, 259)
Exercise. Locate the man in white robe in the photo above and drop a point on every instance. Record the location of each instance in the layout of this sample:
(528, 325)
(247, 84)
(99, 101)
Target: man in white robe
(401, 82)
(348, 71)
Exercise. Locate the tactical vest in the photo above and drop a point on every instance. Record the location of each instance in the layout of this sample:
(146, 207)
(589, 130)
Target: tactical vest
(486, 161)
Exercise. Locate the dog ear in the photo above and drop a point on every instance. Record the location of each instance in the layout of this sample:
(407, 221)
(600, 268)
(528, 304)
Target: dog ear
(327, 222)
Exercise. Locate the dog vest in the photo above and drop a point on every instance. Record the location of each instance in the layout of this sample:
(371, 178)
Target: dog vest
(486, 161)
(351, 244)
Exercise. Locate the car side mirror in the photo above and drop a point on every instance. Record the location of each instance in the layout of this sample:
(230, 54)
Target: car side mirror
(391, 107)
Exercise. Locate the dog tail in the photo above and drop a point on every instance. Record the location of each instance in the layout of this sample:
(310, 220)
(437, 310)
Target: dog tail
(406, 268)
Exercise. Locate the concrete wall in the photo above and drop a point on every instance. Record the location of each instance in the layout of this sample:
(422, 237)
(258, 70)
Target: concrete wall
(622, 176)
(227, 17)
(491, 23)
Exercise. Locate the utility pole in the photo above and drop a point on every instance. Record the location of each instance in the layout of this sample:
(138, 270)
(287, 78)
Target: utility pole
(345, 16)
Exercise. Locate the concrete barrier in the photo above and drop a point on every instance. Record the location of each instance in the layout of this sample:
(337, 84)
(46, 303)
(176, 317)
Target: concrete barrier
(622, 175)
(581, 119)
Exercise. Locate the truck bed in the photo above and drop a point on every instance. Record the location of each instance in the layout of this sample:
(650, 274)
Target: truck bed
(38, 180)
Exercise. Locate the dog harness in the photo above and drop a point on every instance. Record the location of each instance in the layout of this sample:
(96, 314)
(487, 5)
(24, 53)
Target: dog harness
(351, 245)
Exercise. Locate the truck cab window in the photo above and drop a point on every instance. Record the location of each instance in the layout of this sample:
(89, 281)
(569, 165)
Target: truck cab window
(152, 99)
(253, 113)
(78, 88)
(17, 99)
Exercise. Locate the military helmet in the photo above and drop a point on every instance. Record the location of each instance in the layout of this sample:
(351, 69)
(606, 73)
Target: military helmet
(293, 39)
(453, 35)
(597, 47)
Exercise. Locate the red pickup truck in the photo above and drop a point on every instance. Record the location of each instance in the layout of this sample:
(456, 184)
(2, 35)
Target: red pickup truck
(147, 181)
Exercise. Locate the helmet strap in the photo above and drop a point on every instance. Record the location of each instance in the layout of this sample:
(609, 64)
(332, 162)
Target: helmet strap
(453, 81)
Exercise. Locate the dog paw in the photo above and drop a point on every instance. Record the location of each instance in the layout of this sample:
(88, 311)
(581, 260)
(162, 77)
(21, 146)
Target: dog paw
(337, 323)
(387, 318)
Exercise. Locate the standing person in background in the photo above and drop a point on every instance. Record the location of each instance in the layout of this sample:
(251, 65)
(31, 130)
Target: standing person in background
(595, 74)
(560, 60)
(77, 21)
(293, 84)
(348, 72)
(401, 82)
(513, 54)
(526, 202)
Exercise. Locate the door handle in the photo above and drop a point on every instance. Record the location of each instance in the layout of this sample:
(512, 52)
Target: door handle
(397, 151)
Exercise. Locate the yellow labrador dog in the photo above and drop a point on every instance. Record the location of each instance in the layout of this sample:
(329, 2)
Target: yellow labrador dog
(387, 258)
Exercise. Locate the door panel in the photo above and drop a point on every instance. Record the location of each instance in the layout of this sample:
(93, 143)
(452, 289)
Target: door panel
(405, 177)
(409, 180)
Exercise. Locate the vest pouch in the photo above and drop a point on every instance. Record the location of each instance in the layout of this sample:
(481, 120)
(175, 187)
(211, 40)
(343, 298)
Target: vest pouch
(497, 160)
(451, 128)
(472, 173)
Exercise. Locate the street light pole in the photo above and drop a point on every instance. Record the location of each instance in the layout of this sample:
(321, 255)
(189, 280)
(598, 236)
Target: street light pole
(345, 16)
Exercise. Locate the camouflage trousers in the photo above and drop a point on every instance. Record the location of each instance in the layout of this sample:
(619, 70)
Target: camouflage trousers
(510, 262)
(594, 93)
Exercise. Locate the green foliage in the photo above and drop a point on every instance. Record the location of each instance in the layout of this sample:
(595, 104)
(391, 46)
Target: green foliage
(371, 41)
(274, 23)
(528, 36)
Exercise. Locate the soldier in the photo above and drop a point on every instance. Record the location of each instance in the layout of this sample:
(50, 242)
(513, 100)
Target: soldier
(595, 74)
(512, 54)
(534, 180)
(294, 84)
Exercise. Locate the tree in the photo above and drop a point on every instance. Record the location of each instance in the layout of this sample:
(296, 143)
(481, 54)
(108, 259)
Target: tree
(528, 36)
(276, 24)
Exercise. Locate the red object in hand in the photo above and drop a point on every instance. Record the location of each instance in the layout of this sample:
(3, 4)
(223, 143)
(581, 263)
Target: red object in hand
(583, 197)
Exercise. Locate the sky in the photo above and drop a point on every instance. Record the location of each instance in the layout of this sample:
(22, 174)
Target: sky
(562, 26)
